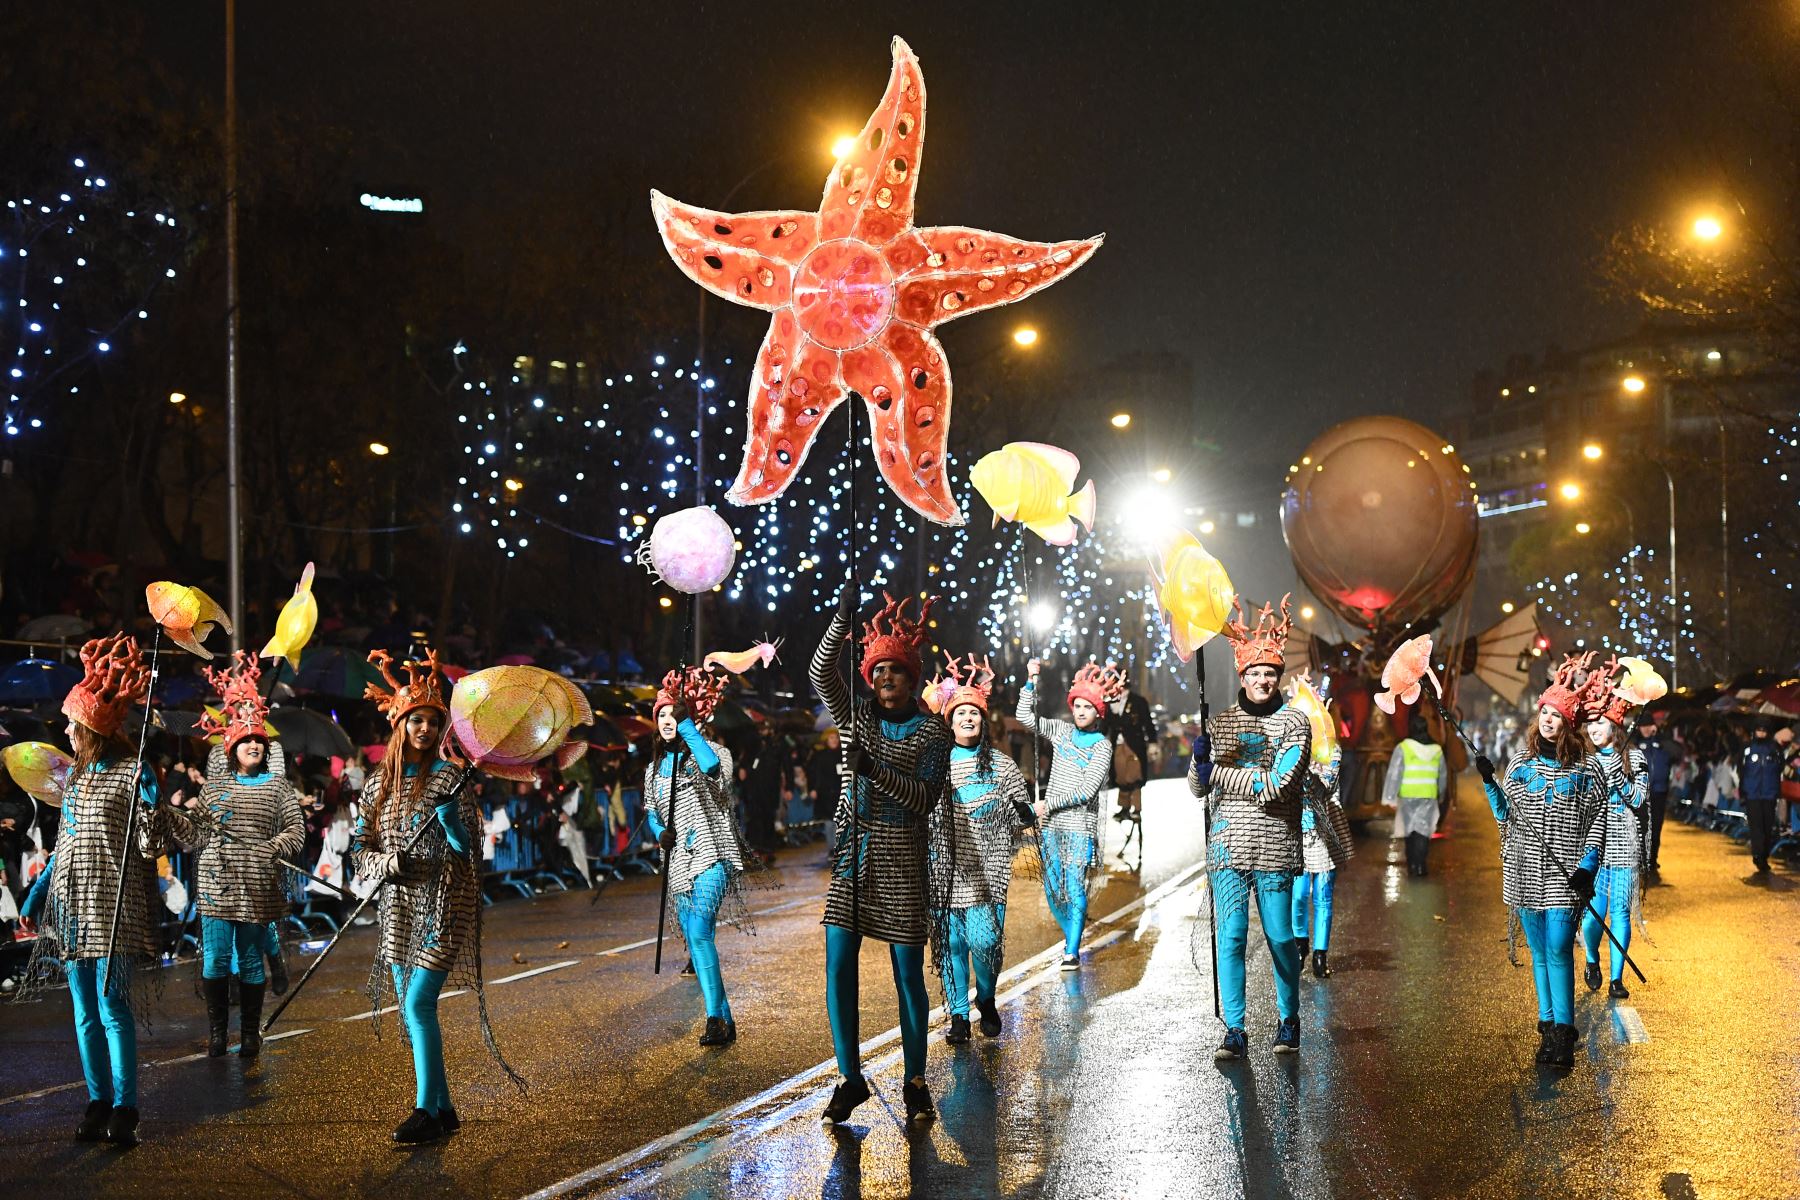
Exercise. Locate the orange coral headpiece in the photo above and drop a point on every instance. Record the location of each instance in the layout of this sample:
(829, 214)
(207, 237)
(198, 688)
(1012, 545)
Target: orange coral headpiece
(115, 678)
(699, 689)
(892, 636)
(1098, 685)
(970, 683)
(1266, 644)
(236, 686)
(424, 686)
(1573, 687)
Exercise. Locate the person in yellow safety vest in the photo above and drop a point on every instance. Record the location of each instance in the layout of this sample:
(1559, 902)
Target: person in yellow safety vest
(1417, 784)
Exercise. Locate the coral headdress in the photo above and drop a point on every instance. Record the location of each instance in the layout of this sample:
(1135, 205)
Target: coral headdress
(114, 679)
(1637, 684)
(971, 683)
(1098, 685)
(236, 685)
(699, 689)
(1572, 687)
(892, 636)
(1266, 644)
(424, 686)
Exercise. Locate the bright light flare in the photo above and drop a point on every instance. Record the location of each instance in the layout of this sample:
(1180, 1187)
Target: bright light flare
(841, 148)
(1044, 616)
(1593, 451)
(1025, 335)
(1708, 229)
(378, 449)
(177, 397)
(1121, 420)
(1583, 527)
(1570, 491)
(1633, 384)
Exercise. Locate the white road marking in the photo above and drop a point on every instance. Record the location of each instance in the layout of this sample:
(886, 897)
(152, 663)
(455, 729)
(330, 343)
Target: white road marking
(534, 971)
(1628, 1026)
(392, 1008)
(1034, 971)
(165, 1062)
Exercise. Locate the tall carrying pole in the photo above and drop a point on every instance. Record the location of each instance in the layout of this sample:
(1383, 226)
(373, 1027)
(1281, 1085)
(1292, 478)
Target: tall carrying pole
(695, 615)
(234, 532)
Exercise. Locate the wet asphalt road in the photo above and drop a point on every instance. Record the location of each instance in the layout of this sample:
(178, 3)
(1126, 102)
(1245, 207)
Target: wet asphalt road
(1415, 1076)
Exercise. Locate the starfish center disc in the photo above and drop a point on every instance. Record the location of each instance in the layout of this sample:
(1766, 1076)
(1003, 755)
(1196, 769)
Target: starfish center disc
(844, 294)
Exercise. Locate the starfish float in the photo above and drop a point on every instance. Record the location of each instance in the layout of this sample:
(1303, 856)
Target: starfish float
(856, 290)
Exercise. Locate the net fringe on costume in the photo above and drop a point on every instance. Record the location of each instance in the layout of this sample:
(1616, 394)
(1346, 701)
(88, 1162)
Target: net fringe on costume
(1071, 825)
(707, 832)
(974, 833)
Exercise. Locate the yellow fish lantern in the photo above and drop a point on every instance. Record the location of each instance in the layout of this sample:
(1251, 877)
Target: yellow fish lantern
(1318, 715)
(294, 627)
(1034, 484)
(186, 614)
(1194, 592)
(39, 768)
(1639, 682)
(508, 719)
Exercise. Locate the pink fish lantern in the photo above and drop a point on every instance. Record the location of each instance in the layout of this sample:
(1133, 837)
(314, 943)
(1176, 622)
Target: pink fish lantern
(1400, 678)
(740, 661)
(508, 719)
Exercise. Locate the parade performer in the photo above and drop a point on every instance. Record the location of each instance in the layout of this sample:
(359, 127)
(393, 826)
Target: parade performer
(218, 766)
(245, 818)
(1618, 887)
(430, 906)
(1250, 767)
(1417, 786)
(972, 842)
(72, 902)
(1554, 787)
(1081, 760)
(895, 764)
(688, 785)
(1325, 845)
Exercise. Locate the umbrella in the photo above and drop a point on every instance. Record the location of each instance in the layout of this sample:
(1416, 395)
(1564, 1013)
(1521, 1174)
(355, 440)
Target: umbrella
(53, 628)
(32, 679)
(302, 731)
(605, 735)
(730, 716)
(336, 670)
(1783, 697)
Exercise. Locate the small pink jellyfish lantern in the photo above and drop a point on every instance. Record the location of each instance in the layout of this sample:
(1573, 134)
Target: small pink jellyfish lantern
(692, 550)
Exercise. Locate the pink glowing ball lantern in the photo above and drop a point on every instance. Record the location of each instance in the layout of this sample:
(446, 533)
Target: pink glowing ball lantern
(692, 550)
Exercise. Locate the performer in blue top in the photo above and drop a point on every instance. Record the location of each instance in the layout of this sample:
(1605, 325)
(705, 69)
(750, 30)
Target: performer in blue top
(1548, 805)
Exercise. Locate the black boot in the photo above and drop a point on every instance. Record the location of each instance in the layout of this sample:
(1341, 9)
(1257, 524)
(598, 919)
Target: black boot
(1562, 1054)
(719, 1031)
(218, 1014)
(990, 1018)
(93, 1122)
(958, 1033)
(1617, 990)
(418, 1129)
(250, 998)
(121, 1127)
(278, 976)
(919, 1109)
(1321, 967)
(1304, 946)
(844, 1099)
(1546, 1042)
(1591, 976)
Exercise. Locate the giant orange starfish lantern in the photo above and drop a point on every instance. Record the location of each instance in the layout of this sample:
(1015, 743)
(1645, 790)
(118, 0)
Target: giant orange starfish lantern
(856, 291)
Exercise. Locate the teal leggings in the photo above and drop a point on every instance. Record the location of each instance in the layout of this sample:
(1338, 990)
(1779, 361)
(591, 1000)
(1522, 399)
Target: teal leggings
(418, 991)
(1550, 932)
(974, 935)
(105, 1033)
(698, 912)
(232, 946)
(1317, 886)
(1612, 898)
(1232, 890)
(1066, 858)
(843, 949)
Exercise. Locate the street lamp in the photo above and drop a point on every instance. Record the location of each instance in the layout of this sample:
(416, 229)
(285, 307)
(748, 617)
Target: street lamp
(1025, 335)
(841, 148)
(1506, 606)
(1633, 384)
(1306, 612)
(1582, 527)
(378, 449)
(1570, 491)
(1162, 474)
(177, 397)
(1121, 420)
(1044, 616)
(1592, 452)
(1708, 228)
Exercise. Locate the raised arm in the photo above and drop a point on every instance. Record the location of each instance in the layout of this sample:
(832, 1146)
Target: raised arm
(1027, 713)
(827, 674)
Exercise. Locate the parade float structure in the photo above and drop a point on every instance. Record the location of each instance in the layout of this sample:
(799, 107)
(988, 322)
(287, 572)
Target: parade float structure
(1380, 518)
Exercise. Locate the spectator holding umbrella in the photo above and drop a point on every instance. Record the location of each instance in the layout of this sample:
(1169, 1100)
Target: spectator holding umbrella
(1759, 783)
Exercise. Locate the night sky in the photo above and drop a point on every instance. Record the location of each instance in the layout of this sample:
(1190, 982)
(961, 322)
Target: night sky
(1331, 209)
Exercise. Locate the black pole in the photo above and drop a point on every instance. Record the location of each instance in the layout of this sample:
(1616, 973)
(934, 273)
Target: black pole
(662, 907)
(137, 777)
(855, 661)
(269, 1023)
(1212, 912)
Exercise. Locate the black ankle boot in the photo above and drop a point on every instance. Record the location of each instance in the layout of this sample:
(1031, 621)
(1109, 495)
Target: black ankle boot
(218, 1014)
(1546, 1042)
(844, 1099)
(93, 1122)
(418, 1129)
(1591, 976)
(1321, 966)
(990, 1018)
(250, 998)
(278, 976)
(719, 1031)
(121, 1127)
(958, 1033)
(918, 1102)
(1562, 1055)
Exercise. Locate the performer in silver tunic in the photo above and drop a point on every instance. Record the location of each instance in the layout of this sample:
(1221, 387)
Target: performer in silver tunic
(973, 835)
(1619, 885)
(893, 771)
(245, 818)
(72, 902)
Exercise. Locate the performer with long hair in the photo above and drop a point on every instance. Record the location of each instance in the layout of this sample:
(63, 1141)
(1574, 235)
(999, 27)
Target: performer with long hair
(1554, 786)
(245, 818)
(1251, 767)
(1081, 760)
(972, 840)
(688, 786)
(72, 902)
(1618, 887)
(894, 768)
(1325, 845)
(430, 906)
